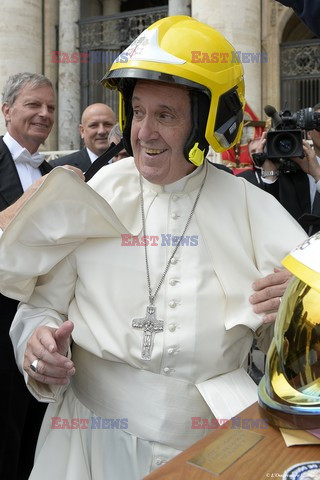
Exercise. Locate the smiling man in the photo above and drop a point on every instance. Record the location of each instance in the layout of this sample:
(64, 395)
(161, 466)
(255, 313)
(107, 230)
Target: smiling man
(28, 108)
(96, 123)
(160, 131)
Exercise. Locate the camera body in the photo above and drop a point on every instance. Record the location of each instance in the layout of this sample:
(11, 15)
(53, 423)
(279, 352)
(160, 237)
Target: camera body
(285, 141)
(284, 144)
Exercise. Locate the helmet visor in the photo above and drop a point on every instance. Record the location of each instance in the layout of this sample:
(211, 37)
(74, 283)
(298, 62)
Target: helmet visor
(292, 380)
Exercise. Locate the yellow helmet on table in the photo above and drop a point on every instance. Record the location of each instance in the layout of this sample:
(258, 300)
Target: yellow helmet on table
(290, 390)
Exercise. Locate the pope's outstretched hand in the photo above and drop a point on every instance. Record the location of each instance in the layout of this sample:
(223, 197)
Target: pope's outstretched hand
(49, 346)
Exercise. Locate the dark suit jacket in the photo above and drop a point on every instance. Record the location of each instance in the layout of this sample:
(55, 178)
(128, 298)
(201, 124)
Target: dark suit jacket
(291, 189)
(21, 414)
(10, 185)
(79, 159)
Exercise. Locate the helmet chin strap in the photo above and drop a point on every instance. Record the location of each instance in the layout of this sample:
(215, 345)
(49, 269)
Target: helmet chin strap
(197, 156)
(196, 147)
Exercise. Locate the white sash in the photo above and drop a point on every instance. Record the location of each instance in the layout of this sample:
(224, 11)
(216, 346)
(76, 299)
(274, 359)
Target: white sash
(158, 408)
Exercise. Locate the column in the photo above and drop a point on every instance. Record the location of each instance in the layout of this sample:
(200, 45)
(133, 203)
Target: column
(276, 17)
(69, 76)
(240, 23)
(179, 7)
(20, 40)
(50, 24)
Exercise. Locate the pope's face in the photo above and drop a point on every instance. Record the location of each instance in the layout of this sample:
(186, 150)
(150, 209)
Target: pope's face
(160, 127)
(30, 118)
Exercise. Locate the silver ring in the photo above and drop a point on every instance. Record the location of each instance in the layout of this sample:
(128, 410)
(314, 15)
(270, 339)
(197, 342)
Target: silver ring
(34, 365)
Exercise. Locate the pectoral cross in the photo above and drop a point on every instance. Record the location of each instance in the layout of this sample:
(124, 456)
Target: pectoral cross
(151, 325)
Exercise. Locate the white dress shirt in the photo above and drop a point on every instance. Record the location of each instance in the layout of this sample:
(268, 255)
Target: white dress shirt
(23, 159)
(92, 156)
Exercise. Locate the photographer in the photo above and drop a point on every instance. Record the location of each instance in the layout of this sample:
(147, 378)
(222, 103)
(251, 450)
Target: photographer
(294, 182)
(314, 135)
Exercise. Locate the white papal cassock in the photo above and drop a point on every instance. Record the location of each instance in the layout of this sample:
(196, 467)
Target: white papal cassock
(68, 254)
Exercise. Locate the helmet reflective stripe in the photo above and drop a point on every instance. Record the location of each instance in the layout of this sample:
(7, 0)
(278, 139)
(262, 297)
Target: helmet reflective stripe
(304, 261)
(146, 47)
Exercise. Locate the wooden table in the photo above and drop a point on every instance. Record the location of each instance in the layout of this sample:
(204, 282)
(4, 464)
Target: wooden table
(267, 459)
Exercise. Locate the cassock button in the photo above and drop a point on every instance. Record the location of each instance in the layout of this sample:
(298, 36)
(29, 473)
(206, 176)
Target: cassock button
(170, 351)
(172, 281)
(171, 327)
(166, 370)
(175, 198)
(173, 261)
(174, 216)
(172, 304)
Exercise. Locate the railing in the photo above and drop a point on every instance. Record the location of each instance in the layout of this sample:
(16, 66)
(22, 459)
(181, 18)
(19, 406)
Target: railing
(300, 74)
(103, 38)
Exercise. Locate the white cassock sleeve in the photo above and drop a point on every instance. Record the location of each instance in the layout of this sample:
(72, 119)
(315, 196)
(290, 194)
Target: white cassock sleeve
(43, 310)
(46, 222)
(58, 228)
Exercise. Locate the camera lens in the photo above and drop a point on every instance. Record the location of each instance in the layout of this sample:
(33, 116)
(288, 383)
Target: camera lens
(285, 144)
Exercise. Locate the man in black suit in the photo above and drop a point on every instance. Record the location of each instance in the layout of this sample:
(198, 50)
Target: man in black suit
(314, 135)
(28, 108)
(294, 188)
(96, 122)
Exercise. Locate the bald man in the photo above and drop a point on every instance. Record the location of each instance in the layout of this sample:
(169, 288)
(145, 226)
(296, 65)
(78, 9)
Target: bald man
(96, 122)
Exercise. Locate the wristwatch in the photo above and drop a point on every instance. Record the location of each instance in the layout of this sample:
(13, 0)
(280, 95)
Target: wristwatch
(269, 173)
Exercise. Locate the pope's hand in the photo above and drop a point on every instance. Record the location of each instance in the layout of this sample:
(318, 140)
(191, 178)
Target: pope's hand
(49, 346)
(268, 293)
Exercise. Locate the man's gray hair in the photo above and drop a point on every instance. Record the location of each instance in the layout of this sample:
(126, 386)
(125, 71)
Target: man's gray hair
(17, 82)
(115, 132)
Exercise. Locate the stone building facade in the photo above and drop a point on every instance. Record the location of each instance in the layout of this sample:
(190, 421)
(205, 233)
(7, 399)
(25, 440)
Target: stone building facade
(281, 57)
